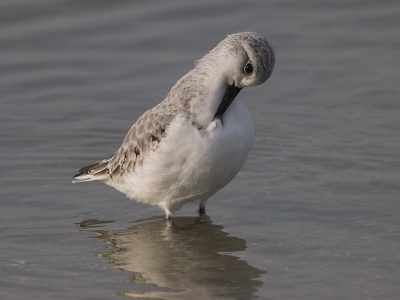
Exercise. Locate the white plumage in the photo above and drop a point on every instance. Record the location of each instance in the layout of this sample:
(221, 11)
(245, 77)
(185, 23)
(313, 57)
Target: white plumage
(194, 142)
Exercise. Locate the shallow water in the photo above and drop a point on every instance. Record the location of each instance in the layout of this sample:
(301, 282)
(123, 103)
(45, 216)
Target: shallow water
(314, 214)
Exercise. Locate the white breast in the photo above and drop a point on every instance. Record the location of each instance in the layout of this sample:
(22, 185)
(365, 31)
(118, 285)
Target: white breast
(193, 164)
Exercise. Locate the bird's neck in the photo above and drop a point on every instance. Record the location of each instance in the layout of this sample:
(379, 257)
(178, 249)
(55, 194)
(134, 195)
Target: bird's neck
(199, 93)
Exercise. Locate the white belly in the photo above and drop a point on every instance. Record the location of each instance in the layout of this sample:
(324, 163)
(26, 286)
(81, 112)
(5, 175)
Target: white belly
(193, 164)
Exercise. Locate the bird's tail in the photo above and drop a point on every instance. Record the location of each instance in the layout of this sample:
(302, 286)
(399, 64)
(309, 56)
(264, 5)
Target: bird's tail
(97, 171)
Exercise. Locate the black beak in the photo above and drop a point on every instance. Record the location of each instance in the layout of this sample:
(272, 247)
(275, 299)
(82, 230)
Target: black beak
(230, 95)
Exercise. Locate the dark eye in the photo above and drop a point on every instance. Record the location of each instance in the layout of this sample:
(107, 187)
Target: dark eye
(248, 69)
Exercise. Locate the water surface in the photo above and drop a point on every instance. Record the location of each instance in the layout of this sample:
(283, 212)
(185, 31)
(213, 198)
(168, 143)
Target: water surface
(314, 214)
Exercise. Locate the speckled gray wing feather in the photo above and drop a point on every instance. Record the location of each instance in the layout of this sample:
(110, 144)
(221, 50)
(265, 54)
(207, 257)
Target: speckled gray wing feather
(144, 136)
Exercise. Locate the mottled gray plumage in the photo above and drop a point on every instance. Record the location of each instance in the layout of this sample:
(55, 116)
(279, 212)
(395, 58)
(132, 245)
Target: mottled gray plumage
(144, 136)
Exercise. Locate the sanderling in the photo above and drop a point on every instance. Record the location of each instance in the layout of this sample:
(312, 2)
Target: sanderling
(193, 143)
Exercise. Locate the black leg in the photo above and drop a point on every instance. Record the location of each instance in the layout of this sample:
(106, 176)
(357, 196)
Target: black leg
(202, 209)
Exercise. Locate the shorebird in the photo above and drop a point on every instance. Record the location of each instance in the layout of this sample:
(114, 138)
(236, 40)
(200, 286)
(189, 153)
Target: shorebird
(194, 142)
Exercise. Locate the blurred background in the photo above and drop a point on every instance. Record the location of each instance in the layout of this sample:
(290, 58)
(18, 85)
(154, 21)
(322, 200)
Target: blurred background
(314, 214)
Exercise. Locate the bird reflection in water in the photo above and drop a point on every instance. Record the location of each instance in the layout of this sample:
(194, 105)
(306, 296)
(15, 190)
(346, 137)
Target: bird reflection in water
(190, 259)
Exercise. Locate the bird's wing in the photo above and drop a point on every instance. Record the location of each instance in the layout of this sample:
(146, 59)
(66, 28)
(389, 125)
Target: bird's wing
(144, 136)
